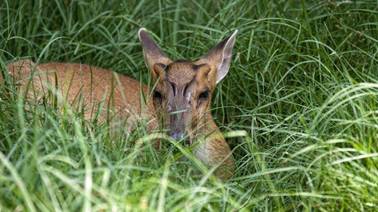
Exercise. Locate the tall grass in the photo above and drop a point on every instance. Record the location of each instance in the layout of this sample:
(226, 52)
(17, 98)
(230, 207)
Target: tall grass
(303, 85)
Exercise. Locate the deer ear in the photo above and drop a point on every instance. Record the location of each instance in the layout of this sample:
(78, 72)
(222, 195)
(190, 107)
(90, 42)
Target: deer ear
(220, 56)
(152, 53)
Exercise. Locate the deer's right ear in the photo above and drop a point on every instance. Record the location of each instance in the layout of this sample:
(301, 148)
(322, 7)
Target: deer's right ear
(220, 56)
(152, 53)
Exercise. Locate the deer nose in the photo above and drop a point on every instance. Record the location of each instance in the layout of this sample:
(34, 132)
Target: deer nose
(177, 135)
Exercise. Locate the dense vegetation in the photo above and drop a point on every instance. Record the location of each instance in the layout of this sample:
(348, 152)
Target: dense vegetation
(303, 85)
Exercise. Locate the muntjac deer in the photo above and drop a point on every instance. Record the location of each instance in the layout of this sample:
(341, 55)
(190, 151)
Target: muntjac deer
(179, 101)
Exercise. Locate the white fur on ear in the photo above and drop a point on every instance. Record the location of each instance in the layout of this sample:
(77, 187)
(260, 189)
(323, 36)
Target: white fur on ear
(140, 31)
(226, 56)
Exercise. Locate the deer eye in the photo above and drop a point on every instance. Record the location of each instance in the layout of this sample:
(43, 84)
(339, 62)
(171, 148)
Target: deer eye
(204, 95)
(157, 96)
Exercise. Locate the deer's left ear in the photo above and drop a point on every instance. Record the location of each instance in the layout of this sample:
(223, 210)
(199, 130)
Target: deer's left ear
(152, 53)
(220, 56)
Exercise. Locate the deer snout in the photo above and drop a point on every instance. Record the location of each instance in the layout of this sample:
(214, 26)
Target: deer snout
(178, 124)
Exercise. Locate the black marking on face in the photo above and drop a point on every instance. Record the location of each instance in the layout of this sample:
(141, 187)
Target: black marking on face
(204, 95)
(173, 88)
(197, 67)
(157, 96)
(185, 90)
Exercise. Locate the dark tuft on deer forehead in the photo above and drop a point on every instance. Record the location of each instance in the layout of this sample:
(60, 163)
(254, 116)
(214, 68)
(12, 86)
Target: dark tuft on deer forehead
(182, 61)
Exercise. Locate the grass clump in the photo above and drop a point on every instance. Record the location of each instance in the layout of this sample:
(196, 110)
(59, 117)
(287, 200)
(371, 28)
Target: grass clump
(303, 85)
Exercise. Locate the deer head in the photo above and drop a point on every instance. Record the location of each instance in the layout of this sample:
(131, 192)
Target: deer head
(183, 91)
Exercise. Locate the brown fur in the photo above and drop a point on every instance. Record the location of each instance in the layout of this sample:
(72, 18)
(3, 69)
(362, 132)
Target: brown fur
(181, 99)
(95, 85)
(86, 85)
(194, 78)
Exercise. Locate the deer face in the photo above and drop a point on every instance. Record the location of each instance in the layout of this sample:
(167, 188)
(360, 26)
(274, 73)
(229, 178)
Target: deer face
(183, 90)
(182, 96)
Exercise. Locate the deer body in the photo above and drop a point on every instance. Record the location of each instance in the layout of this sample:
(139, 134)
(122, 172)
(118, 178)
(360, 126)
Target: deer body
(180, 101)
(87, 86)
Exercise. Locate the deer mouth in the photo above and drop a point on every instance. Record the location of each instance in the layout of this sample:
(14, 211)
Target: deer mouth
(181, 137)
(177, 135)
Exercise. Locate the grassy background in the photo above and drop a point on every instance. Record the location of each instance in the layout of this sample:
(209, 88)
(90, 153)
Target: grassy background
(303, 84)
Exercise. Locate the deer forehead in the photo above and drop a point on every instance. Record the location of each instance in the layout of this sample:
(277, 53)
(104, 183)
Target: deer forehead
(181, 73)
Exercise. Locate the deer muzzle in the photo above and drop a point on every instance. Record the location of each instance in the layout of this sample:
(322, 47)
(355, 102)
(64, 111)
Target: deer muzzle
(177, 122)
